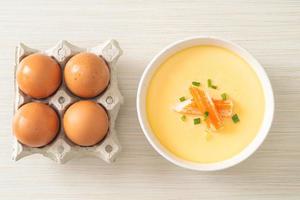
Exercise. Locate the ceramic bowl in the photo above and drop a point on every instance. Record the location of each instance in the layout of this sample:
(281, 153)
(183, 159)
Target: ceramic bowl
(189, 42)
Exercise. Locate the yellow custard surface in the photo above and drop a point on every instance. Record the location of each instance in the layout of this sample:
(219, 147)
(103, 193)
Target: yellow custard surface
(232, 75)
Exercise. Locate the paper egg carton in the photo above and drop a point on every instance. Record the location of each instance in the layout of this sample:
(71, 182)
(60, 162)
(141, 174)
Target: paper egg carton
(61, 149)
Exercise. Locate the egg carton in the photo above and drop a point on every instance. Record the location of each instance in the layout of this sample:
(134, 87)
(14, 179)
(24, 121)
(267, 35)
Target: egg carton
(61, 149)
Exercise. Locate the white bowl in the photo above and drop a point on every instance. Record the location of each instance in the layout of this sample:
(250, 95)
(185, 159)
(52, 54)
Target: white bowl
(182, 44)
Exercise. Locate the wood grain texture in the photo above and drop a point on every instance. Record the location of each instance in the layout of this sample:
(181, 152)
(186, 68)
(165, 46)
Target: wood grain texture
(269, 29)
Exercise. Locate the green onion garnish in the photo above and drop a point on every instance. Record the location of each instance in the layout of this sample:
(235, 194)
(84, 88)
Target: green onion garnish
(195, 83)
(209, 83)
(197, 121)
(181, 99)
(183, 117)
(224, 96)
(206, 114)
(235, 118)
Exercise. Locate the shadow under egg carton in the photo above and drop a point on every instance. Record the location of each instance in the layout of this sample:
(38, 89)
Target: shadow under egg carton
(61, 149)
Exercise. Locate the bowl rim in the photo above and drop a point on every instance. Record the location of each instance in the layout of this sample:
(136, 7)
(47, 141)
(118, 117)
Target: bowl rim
(255, 65)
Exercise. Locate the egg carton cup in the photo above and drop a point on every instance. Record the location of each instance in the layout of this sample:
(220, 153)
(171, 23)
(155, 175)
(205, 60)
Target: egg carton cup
(61, 149)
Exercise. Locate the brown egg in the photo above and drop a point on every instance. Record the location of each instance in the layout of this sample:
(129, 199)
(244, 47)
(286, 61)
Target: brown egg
(35, 124)
(38, 75)
(86, 75)
(85, 123)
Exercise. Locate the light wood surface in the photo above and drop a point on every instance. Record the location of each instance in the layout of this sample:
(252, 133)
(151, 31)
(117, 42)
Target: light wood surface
(270, 30)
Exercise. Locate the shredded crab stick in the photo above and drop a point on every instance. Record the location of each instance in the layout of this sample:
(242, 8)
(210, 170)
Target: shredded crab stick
(205, 103)
(224, 107)
(197, 100)
(188, 107)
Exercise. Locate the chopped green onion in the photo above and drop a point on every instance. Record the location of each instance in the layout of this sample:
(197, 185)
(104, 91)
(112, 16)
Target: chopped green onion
(181, 99)
(235, 118)
(197, 84)
(197, 121)
(224, 96)
(206, 114)
(183, 117)
(209, 83)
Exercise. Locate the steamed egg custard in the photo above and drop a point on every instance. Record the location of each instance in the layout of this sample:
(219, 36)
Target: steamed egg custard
(205, 104)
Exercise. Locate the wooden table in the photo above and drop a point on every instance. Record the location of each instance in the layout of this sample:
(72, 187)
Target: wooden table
(270, 30)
